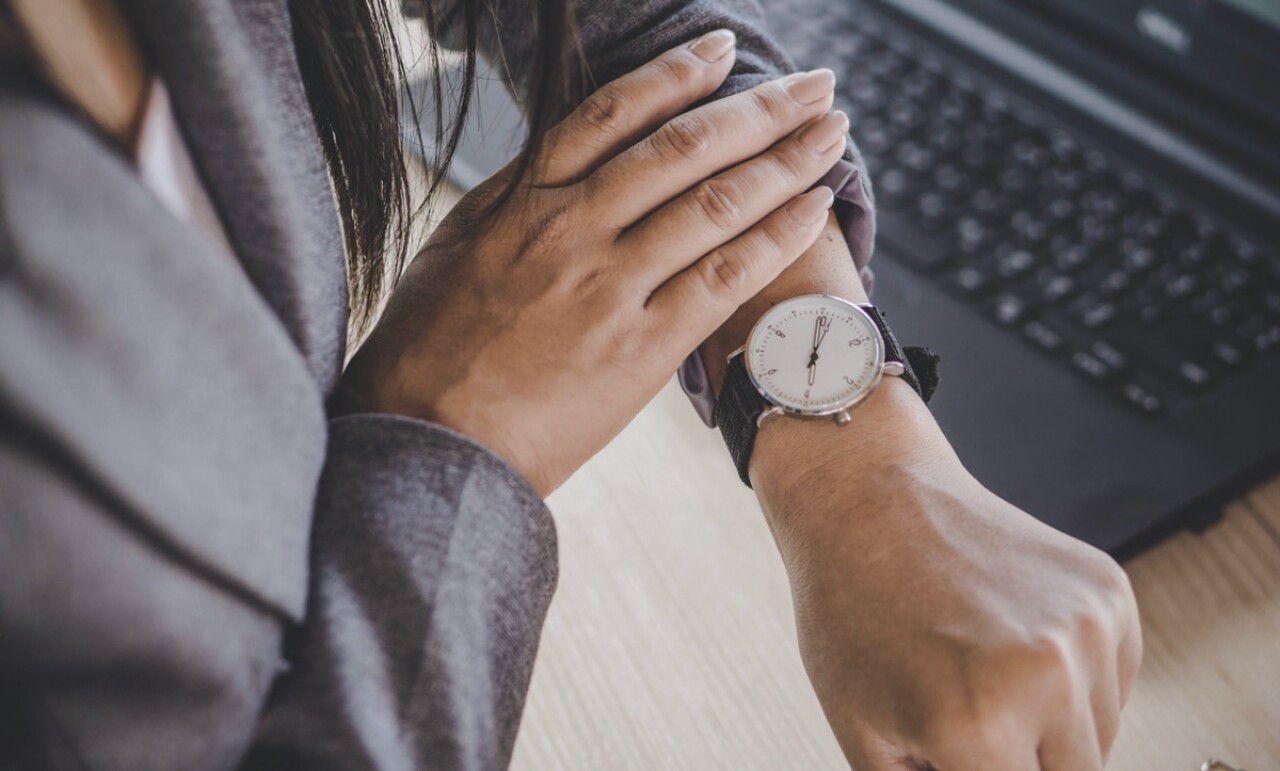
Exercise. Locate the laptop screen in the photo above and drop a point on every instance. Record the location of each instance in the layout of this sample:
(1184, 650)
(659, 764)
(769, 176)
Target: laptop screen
(1229, 49)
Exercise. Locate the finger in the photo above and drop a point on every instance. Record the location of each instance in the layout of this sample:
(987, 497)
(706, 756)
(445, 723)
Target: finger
(696, 301)
(1104, 701)
(625, 110)
(1072, 744)
(724, 206)
(697, 144)
(1130, 653)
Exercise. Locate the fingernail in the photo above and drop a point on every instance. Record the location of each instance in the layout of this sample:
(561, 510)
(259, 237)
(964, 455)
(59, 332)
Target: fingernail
(811, 206)
(826, 131)
(809, 87)
(713, 46)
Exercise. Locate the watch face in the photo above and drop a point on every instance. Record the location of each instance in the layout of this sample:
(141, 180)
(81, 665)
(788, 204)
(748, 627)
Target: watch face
(815, 355)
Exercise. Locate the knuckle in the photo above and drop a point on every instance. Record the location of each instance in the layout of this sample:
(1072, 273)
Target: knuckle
(677, 66)
(724, 273)
(792, 160)
(1050, 658)
(775, 237)
(592, 282)
(549, 229)
(768, 101)
(604, 110)
(684, 138)
(715, 199)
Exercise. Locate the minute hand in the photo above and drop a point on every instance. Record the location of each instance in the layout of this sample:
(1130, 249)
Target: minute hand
(822, 334)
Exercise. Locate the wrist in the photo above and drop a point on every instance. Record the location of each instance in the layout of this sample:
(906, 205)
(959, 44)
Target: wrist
(826, 268)
(811, 469)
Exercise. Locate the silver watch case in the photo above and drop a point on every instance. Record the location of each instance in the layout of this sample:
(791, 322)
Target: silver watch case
(840, 413)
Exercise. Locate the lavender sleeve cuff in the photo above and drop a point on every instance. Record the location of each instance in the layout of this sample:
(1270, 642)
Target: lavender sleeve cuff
(855, 209)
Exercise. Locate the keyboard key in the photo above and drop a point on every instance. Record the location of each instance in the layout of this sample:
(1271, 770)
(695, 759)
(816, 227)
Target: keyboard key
(1235, 280)
(1099, 316)
(1009, 309)
(1091, 367)
(933, 212)
(1043, 336)
(1031, 229)
(971, 280)
(1259, 334)
(915, 156)
(1060, 209)
(1195, 375)
(1056, 287)
(1142, 398)
(1181, 286)
(1116, 283)
(989, 205)
(894, 188)
(972, 237)
(1071, 256)
(950, 179)
(1107, 354)
(1229, 354)
(1103, 203)
(1016, 263)
(1096, 231)
(1271, 302)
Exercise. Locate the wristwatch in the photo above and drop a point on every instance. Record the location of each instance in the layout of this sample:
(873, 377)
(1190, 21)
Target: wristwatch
(814, 356)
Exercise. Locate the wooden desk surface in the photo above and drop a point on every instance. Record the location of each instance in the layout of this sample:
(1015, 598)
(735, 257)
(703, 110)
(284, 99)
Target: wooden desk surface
(670, 643)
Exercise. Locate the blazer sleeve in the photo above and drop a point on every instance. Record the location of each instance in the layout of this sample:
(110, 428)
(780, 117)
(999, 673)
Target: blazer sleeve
(433, 563)
(620, 35)
(432, 566)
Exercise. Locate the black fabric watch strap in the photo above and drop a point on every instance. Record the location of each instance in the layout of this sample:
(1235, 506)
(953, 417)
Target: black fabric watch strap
(740, 404)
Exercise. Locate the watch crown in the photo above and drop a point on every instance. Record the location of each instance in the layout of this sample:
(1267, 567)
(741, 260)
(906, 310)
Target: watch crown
(894, 368)
(842, 417)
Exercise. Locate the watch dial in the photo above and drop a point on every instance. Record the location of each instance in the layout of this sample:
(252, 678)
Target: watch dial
(815, 354)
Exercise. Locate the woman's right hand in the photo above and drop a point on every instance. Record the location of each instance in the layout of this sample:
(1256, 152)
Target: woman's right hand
(542, 329)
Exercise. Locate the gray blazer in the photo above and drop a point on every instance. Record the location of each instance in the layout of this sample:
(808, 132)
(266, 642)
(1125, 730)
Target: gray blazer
(198, 569)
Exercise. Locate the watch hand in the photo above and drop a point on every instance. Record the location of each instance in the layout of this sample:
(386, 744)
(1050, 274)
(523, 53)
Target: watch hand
(817, 324)
(813, 371)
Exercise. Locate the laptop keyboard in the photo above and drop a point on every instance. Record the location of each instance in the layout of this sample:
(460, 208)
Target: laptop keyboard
(1046, 237)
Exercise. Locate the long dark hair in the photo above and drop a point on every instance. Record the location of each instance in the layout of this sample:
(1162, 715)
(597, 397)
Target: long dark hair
(352, 66)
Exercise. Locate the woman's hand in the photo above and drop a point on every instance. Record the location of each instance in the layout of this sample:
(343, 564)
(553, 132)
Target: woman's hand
(541, 330)
(940, 626)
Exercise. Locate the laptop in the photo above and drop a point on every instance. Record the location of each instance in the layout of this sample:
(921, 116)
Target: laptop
(1079, 209)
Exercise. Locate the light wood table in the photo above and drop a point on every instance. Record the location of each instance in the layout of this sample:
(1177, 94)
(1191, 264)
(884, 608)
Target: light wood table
(670, 645)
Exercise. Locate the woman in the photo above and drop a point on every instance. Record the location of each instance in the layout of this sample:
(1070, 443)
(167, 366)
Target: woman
(202, 567)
